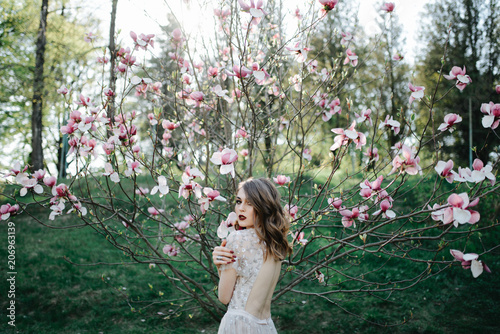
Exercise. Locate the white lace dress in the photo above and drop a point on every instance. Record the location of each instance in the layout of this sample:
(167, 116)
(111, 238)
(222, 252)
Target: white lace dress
(249, 259)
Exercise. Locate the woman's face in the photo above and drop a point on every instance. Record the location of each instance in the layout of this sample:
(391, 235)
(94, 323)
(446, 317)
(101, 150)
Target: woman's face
(244, 210)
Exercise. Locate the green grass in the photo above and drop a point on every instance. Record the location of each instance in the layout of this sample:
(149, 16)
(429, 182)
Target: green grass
(54, 296)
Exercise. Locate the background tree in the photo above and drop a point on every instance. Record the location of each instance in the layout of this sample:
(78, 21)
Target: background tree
(473, 42)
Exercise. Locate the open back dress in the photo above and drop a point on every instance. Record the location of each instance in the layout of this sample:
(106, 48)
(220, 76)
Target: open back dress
(249, 311)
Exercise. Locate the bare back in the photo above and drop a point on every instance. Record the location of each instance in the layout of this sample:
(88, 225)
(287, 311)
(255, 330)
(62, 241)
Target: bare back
(255, 278)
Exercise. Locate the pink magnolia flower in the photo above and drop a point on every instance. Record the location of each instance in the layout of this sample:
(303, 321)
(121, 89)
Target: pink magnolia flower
(458, 74)
(335, 202)
(241, 133)
(481, 172)
(244, 152)
(299, 51)
(319, 276)
(368, 189)
(292, 210)
(328, 5)
(133, 168)
(108, 171)
(469, 260)
(497, 89)
(363, 116)
(212, 195)
(372, 154)
(281, 180)
(351, 58)
(492, 112)
(227, 226)
(189, 186)
(89, 37)
(391, 124)
(154, 211)
(449, 121)
(306, 154)
(30, 183)
(398, 57)
(417, 92)
(345, 135)
(299, 237)
(213, 71)
(162, 186)
(255, 9)
(239, 71)
(346, 38)
(195, 98)
(142, 191)
(50, 181)
(349, 216)
(168, 125)
(8, 210)
(177, 38)
(222, 93)
(39, 174)
(409, 162)
(225, 159)
(388, 7)
(444, 169)
(170, 250)
(297, 14)
(63, 90)
(57, 209)
(385, 207)
(459, 212)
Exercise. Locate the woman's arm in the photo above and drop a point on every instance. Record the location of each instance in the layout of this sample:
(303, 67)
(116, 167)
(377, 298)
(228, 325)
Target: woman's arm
(227, 281)
(222, 255)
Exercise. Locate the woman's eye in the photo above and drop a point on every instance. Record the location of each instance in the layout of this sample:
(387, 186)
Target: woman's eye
(238, 202)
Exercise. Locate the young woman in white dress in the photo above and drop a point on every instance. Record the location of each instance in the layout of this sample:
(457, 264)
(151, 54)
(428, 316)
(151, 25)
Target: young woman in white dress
(249, 261)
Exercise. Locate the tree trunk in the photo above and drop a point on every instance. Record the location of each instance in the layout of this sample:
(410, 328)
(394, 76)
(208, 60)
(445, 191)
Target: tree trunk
(36, 116)
(112, 57)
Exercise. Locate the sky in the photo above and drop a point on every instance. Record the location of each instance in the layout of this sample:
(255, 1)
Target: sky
(146, 16)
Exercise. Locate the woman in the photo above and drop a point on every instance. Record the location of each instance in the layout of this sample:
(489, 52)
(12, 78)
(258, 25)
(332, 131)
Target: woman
(249, 262)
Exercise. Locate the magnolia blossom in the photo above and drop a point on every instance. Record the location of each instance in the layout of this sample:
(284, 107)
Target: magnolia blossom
(222, 93)
(8, 210)
(154, 211)
(346, 38)
(255, 9)
(372, 154)
(299, 237)
(227, 226)
(417, 92)
(368, 189)
(108, 171)
(449, 121)
(348, 216)
(492, 112)
(497, 89)
(391, 124)
(241, 133)
(398, 57)
(225, 159)
(458, 212)
(291, 210)
(57, 209)
(162, 186)
(212, 195)
(444, 169)
(385, 207)
(306, 154)
(170, 250)
(458, 74)
(345, 135)
(408, 163)
(363, 116)
(478, 174)
(328, 5)
(239, 71)
(299, 51)
(142, 41)
(281, 180)
(388, 7)
(351, 58)
(335, 202)
(30, 183)
(320, 276)
(133, 168)
(470, 260)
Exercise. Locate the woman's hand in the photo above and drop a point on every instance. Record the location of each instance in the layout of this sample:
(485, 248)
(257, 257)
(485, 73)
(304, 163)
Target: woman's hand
(223, 255)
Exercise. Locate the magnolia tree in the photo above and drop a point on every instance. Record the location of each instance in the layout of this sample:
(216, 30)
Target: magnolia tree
(158, 180)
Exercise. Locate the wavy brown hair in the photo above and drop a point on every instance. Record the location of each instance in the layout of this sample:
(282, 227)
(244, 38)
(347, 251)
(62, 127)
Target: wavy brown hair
(271, 225)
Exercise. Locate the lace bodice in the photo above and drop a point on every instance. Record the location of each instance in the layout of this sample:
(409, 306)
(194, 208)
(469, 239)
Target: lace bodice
(249, 253)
